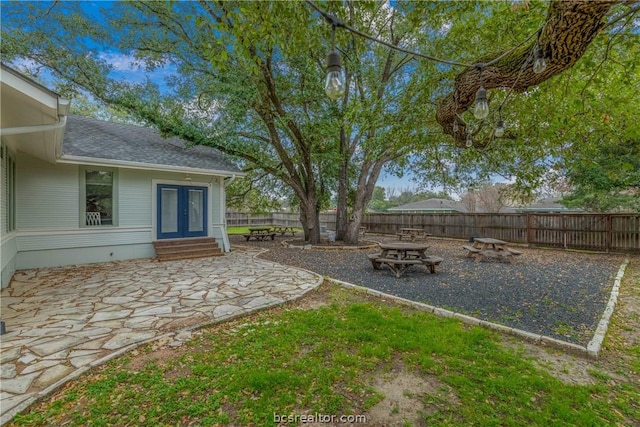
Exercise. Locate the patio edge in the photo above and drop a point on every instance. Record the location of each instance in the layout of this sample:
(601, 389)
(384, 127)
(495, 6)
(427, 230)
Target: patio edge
(595, 345)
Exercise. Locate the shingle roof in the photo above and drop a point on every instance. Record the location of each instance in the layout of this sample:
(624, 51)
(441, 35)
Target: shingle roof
(98, 139)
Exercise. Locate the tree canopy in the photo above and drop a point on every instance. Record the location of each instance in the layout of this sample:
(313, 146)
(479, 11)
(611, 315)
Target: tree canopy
(247, 79)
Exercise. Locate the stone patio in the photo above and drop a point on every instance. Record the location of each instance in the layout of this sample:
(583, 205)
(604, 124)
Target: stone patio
(60, 322)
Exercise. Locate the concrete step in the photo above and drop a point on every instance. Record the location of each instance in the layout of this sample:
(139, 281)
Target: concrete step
(182, 242)
(173, 249)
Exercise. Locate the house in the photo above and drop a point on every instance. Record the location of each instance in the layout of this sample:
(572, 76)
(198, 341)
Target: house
(430, 206)
(76, 190)
(548, 205)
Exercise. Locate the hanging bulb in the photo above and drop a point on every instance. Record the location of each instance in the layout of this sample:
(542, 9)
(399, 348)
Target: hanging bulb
(469, 141)
(334, 84)
(499, 129)
(539, 64)
(481, 111)
(455, 127)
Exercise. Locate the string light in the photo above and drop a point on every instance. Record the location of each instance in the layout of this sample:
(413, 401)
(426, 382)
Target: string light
(481, 110)
(499, 129)
(334, 85)
(539, 64)
(499, 132)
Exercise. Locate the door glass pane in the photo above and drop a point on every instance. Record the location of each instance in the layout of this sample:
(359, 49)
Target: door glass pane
(169, 210)
(196, 210)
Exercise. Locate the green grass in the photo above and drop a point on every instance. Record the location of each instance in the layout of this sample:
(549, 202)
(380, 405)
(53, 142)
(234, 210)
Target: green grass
(325, 360)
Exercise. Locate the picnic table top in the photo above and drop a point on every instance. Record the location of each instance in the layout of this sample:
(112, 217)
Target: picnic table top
(489, 240)
(260, 228)
(404, 246)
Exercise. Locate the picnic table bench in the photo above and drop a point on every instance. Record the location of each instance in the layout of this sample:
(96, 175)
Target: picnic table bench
(259, 233)
(412, 234)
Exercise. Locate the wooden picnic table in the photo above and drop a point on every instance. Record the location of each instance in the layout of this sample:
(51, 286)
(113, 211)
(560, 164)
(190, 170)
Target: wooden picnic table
(412, 234)
(399, 256)
(488, 247)
(260, 233)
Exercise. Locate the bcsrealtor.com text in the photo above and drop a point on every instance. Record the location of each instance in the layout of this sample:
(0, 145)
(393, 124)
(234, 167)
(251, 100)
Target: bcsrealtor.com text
(318, 418)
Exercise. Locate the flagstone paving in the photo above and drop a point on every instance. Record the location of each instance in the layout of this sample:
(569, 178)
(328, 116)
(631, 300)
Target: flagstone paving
(62, 321)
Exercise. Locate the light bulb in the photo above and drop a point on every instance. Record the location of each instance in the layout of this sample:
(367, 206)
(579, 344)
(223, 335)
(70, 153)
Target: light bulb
(499, 129)
(334, 84)
(469, 141)
(481, 111)
(539, 64)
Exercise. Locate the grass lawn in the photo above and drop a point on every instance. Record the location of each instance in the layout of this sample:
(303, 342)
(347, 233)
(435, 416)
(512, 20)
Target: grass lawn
(338, 352)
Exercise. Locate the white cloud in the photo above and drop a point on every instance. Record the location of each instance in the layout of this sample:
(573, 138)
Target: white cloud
(120, 61)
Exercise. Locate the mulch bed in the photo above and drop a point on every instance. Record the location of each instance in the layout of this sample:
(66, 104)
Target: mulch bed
(557, 293)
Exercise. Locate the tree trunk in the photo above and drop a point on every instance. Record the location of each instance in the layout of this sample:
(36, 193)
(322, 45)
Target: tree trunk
(569, 29)
(310, 219)
(343, 188)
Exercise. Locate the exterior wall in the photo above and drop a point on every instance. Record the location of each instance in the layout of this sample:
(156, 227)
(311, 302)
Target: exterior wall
(47, 196)
(51, 232)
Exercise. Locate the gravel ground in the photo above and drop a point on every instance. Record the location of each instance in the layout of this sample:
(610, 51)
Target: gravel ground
(551, 292)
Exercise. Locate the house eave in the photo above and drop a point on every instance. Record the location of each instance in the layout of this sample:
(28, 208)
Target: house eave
(33, 117)
(92, 161)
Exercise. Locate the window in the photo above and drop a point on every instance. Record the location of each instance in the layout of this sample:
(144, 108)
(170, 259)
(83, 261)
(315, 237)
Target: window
(99, 196)
(9, 182)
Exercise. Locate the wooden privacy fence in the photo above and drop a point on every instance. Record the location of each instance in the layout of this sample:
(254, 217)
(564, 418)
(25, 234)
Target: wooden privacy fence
(598, 232)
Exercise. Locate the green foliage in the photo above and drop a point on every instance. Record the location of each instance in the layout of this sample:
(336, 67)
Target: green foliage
(607, 178)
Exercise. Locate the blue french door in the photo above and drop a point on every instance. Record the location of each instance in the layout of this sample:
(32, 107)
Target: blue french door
(182, 211)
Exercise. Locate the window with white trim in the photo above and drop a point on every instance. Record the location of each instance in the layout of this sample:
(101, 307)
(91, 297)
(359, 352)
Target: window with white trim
(98, 196)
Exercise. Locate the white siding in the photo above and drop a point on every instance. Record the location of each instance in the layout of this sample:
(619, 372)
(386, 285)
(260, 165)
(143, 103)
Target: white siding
(3, 191)
(134, 195)
(217, 202)
(47, 195)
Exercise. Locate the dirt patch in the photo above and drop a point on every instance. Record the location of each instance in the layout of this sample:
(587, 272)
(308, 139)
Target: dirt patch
(566, 367)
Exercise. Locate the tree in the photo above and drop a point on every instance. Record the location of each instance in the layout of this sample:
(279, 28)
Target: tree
(567, 32)
(606, 180)
(242, 85)
(379, 202)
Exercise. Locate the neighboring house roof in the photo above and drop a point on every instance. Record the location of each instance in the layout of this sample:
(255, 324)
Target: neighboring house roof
(431, 205)
(92, 141)
(547, 205)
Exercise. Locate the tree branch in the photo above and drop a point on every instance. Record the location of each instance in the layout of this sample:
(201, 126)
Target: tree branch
(570, 27)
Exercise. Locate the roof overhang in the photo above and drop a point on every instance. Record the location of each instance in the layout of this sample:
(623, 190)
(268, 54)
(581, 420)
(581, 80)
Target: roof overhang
(92, 161)
(33, 117)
